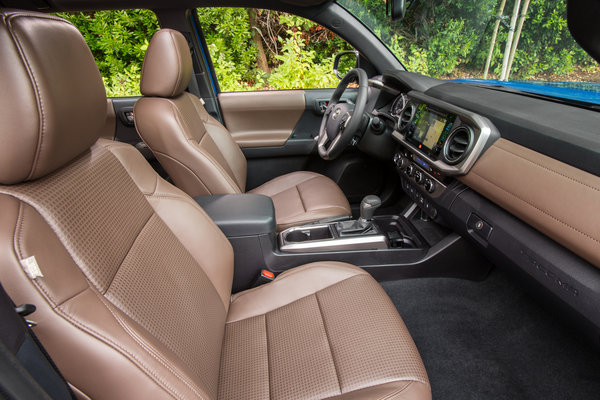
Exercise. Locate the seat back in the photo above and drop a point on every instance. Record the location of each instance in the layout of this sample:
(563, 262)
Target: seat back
(130, 277)
(197, 152)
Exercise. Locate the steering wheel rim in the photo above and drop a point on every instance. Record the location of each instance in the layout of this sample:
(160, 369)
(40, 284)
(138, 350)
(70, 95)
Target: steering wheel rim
(339, 125)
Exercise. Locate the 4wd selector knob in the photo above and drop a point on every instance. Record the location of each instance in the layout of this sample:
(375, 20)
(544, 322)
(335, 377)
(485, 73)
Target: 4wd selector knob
(410, 170)
(429, 185)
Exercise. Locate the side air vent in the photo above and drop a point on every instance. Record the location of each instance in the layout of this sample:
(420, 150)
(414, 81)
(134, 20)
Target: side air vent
(406, 116)
(457, 145)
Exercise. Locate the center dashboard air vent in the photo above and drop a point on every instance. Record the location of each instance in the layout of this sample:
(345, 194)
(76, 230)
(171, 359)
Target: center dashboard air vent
(457, 145)
(406, 116)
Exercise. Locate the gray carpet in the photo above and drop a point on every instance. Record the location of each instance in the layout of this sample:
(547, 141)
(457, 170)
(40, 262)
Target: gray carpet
(490, 340)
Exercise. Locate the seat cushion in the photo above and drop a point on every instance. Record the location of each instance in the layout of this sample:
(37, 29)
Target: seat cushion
(301, 197)
(321, 330)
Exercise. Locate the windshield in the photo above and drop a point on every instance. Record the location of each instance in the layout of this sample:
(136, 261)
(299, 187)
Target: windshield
(520, 44)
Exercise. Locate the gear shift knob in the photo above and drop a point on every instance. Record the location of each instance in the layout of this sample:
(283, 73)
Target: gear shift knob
(368, 205)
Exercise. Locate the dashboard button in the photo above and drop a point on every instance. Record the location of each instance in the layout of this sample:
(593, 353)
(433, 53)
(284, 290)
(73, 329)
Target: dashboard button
(410, 170)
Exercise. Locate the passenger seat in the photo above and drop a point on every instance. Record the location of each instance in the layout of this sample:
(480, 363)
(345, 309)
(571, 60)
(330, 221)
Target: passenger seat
(132, 280)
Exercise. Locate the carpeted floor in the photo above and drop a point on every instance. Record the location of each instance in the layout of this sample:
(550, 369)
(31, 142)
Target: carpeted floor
(490, 340)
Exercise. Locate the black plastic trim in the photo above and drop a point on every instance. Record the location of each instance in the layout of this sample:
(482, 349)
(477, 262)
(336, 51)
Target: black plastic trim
(552, 270)
(297, 147)
(240, 214)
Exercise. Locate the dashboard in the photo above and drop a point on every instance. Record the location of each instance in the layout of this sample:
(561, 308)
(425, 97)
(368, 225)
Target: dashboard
(437, 141)
(516, 174)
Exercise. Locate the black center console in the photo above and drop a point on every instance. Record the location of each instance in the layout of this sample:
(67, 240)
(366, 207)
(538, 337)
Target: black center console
(387, 246)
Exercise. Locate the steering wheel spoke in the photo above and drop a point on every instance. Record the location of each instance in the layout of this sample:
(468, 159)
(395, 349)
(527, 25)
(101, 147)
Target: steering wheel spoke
(338, 127)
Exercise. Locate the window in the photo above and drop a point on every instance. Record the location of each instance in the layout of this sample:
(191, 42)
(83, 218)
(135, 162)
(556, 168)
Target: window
(254, 49)
(118, 40)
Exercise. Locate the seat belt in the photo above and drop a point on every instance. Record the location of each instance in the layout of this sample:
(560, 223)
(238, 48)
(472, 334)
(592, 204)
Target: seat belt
(26, 370)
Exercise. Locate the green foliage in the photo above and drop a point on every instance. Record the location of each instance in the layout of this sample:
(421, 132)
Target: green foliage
(298, 51)
(298, 68)
(118, 40)
(450, 38)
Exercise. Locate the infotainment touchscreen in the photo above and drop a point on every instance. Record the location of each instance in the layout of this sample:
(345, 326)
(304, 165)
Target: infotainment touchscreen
(430, 127)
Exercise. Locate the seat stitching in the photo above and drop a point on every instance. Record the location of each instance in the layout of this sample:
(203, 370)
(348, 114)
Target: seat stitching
(310, 294)
(399, 390)
(184, 166)
(149, 348)
(335, 368)
(78, 324)
(89, 330)
(300, 196)
(268, 354)
(498, 146)
(127, 253)
(224, 173)
(179, 67)
(39, 100)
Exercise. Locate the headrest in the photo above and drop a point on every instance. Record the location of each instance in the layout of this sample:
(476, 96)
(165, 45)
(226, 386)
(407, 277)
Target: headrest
(167, 68)
(52, 99)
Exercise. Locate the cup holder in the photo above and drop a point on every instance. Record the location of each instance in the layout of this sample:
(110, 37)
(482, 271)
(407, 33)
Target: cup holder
(305, 235)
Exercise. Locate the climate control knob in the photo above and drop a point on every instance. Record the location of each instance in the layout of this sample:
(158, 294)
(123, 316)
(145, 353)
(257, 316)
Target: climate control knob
(410, 170)
(418, 176)
(429, 185)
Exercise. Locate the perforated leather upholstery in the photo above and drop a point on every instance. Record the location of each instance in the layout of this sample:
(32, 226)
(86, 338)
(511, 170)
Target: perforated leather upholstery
(133, 291)
(199, 153)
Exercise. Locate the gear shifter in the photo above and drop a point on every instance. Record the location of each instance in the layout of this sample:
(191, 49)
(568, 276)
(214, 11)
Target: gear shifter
(368, 205)
(363, 225)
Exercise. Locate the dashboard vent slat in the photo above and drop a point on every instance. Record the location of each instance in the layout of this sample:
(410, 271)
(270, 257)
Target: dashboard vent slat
(457, 145)
(406, 116)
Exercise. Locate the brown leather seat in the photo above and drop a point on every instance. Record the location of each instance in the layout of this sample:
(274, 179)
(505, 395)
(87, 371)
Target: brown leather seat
(132, 280)
(199, 153)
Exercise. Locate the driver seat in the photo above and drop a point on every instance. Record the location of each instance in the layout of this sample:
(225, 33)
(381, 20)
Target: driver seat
(200, 154)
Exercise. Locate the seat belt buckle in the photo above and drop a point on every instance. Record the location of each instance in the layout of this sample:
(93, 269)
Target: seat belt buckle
(265, 276)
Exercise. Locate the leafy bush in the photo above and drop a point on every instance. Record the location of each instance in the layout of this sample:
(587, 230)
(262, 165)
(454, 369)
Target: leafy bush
(298, 52)
(118, 40)
(447, 38)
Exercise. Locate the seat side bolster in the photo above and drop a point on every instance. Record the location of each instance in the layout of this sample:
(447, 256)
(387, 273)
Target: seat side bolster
(307, 279)
(188, 221)
(398, 390)
(173, 127)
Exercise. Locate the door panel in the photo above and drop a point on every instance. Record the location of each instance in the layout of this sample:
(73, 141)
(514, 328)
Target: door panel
(126, 132)
(262, 119)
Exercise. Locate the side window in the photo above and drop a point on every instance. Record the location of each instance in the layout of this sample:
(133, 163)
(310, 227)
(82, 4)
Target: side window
(118, 40)
(255, 49)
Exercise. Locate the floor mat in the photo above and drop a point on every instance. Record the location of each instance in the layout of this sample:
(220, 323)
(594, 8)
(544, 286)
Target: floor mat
(490, 340)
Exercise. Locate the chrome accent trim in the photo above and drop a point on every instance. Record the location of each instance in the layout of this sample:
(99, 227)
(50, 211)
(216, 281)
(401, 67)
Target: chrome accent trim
(411, 208)
(359, 242)
(483, 130)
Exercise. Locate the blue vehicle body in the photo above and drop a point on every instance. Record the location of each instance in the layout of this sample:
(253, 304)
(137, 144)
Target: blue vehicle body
(578, 91)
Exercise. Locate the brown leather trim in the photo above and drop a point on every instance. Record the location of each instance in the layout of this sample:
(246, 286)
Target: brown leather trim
(261, 119)
(110, 123)
(557, 199)
(312, 278)
(398, 390)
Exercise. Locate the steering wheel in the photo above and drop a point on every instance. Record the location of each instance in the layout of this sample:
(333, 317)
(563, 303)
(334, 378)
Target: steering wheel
(342, 120)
